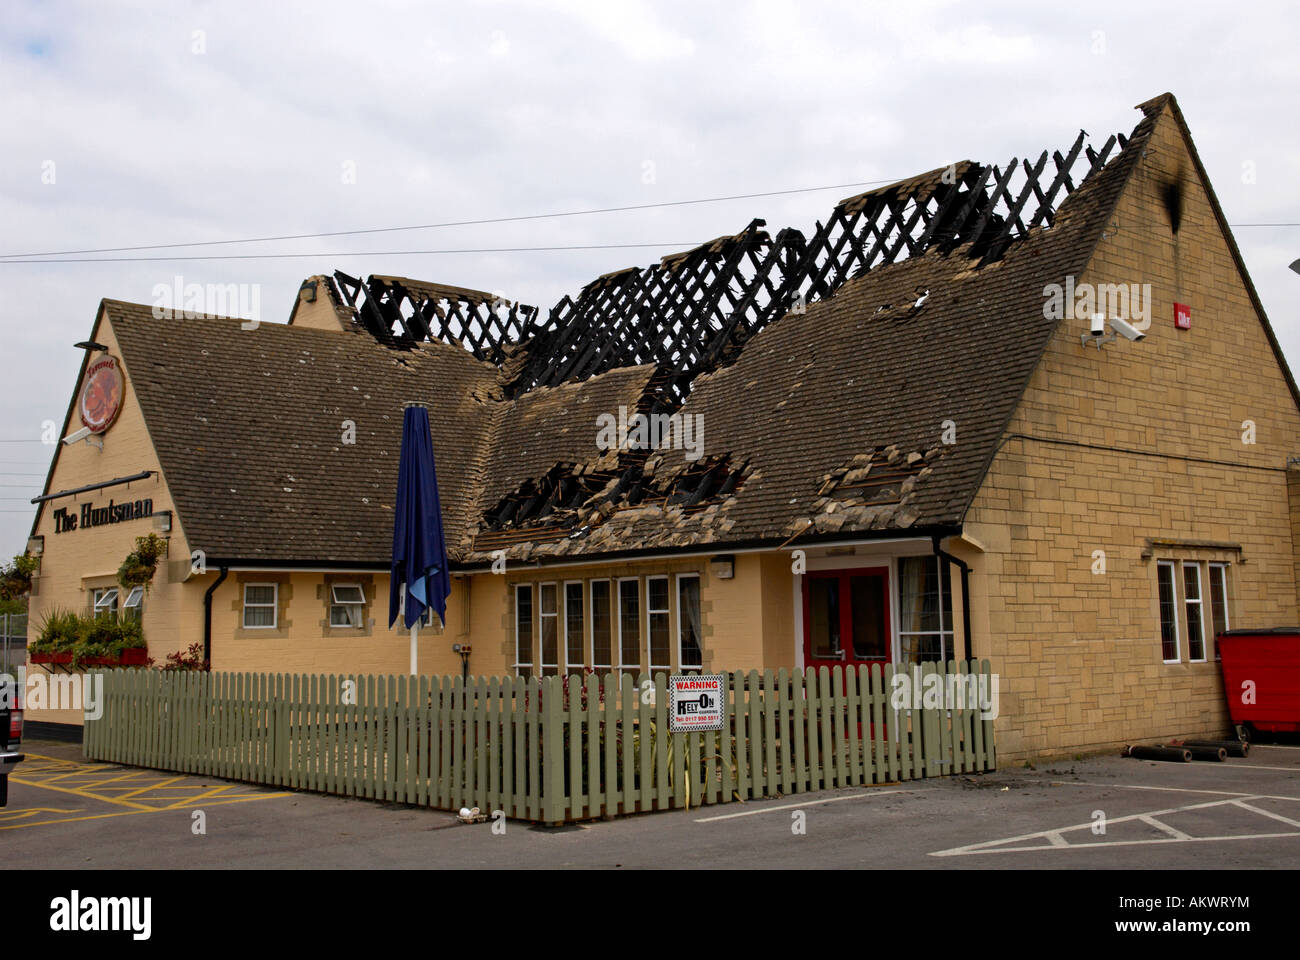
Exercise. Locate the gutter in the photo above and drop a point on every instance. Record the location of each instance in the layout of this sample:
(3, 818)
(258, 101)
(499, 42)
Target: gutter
(965, 589)
(207, 614)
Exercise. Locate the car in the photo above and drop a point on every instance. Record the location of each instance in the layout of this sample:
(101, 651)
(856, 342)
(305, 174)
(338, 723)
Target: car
(11, 734)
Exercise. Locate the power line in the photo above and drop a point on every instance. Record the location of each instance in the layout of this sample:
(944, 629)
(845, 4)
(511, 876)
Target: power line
(455, 223)
(676, 245)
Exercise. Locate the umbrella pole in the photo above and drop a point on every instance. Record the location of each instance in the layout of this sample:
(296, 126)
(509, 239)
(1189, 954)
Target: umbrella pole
(414, 649)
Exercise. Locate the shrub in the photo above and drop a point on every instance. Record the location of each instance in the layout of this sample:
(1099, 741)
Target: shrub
(105, 635)
(190, 659)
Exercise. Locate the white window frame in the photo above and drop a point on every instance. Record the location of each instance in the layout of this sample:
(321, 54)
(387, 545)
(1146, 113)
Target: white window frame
(582, 604)
(274, 605)
(591, 621)
(667, 614)
(1199, 602)
(542, 665)
(947, 633)
(1227, 616)
(1160, 635)
(681, 662)
(134, 603)
(336, 603)
(101, 599)
(618, 618)
(532, 633)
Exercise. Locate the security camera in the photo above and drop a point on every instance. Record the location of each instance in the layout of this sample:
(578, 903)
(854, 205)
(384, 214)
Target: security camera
(81, 434)
(1098, 324)
(1126, 329)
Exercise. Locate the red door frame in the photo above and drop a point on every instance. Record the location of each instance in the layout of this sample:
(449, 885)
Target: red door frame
(846, 617)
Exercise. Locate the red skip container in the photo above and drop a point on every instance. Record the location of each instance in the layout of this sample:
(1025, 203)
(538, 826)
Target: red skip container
(1261, 677)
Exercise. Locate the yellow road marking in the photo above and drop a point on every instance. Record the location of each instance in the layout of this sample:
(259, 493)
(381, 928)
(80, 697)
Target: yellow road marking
(8, 816)
(90, 816)
(79, 793)
(152, 786)
(119, 785)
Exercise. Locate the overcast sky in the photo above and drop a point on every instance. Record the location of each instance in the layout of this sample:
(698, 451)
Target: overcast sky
(173, 122)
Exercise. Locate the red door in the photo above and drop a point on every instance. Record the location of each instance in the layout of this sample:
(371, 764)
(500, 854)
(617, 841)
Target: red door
(846, 617)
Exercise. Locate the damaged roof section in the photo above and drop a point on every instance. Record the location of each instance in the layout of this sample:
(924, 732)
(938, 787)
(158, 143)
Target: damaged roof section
(693, 312)
(398, 311)
(815, 373)
(835, 419)
(605, 432)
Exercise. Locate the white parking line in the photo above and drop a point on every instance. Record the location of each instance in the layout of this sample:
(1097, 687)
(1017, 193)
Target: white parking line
(1267, 813)
(1164, 827)
(1055, 839)
(806, 803)
(1137, 786)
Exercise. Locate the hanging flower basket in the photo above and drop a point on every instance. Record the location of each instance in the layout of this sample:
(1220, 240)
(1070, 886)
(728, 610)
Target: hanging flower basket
(141, 564)
(16, 577)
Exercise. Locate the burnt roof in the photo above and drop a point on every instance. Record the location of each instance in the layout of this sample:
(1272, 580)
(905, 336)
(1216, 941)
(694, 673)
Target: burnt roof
(823, 370)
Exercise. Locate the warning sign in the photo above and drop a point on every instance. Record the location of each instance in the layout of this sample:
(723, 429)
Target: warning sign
(695, 702)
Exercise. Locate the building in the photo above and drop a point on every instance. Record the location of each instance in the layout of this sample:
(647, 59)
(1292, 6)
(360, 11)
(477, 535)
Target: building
(897, 439)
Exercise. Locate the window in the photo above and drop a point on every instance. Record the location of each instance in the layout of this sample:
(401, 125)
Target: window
(1195, 612)
(925, 610)
(430, 618)
(347, 604)
(602, 625)
(1218, 602)
(575, 633)
(1168, 611)
(629, 623)
(824, 618)
(105, 601)
(260, 601)
(690, 652)
(134, 604)
(549, 620)
(524, 630)
(659, 641)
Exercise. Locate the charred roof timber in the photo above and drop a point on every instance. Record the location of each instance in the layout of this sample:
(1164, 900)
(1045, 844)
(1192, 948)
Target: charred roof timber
(694, 311)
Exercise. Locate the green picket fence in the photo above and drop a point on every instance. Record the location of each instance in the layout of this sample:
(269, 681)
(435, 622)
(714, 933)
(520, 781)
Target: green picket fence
(545, 749)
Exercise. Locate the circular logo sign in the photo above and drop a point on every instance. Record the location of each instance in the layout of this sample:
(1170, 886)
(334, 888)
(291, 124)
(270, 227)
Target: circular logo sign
(101, 395)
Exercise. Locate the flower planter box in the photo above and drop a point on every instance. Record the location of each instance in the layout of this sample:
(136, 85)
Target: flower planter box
(128, 658)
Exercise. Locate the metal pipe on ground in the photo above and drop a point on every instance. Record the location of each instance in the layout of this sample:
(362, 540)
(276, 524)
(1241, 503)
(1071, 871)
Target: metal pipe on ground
(1205, 753)
(1234, 748)
(1171, 754)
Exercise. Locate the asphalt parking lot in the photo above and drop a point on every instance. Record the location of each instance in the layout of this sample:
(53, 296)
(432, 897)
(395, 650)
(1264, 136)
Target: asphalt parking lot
(1105, 812)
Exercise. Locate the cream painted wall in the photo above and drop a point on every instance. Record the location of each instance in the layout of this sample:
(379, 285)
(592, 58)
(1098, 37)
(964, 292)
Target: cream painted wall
(76, 561)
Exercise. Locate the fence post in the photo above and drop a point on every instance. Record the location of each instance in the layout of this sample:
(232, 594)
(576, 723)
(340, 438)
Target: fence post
(553, 755)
